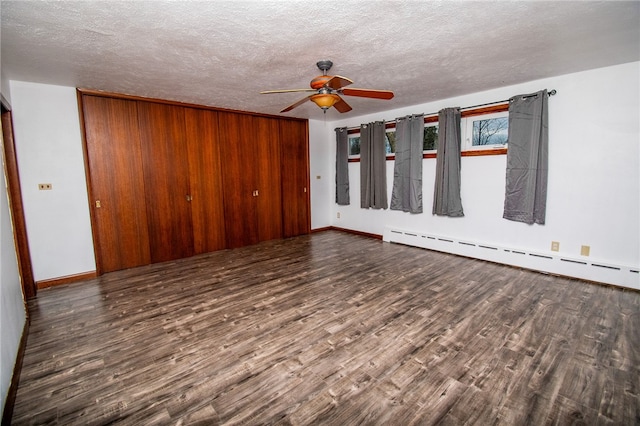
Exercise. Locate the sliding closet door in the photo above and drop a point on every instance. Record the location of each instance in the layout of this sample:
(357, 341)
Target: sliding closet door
(238, 177)
(207, 210)
(166, 177)
(266, 147)
(295, 177)
(114, 171)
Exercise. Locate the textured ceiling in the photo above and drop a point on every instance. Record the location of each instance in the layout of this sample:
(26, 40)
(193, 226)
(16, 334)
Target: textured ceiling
(223, 53)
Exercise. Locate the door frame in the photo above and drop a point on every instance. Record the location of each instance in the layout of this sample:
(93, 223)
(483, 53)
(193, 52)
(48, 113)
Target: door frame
(29, 288)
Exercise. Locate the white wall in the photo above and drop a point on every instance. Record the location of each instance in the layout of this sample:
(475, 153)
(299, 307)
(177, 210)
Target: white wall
(594, 181)
(49, 150)
(12, 311)
(322, 170)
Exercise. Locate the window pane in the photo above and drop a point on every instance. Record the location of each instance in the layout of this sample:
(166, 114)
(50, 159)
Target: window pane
(493, 131)
(354, 145)
(390, 142)
(430, 138)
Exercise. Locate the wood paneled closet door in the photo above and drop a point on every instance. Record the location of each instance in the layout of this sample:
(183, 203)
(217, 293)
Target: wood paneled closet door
(251, 176)
(295, 177)
(207, 209)
(266, 152)
(166, 176)
(116, 183)
(238, 172)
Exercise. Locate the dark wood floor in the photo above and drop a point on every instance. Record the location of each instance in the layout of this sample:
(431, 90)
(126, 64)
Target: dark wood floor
(335, 329)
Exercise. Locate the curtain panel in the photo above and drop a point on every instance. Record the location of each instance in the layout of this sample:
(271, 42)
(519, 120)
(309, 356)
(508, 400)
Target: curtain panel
(342, 167)
(406, 194)
(527, 158)
(446, 194)
(373, 168)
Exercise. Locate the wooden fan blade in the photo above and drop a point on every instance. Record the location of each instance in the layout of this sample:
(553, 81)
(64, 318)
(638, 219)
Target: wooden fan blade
(337, 82)
(368, 93)
(342, 106)
(267, 92)
(300, 102)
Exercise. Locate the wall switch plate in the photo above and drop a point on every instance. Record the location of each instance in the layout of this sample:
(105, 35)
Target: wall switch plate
(555, 246)
(584, 250)
(44, 186)
(338, 215)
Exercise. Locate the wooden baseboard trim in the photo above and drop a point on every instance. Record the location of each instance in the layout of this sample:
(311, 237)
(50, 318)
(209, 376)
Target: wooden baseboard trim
(9, 403)
(66, 279)
(326, 228)
(349, 231)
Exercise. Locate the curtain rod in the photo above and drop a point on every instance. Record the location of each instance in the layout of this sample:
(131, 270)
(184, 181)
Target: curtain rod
(549, 93)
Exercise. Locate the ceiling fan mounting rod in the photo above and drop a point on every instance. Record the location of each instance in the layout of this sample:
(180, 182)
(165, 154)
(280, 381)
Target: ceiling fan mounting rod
(324, 66)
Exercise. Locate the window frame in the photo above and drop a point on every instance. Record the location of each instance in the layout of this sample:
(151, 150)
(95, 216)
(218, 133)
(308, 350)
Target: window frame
(433, 119)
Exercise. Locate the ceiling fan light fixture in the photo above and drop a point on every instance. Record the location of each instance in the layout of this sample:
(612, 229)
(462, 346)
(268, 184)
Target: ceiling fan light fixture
(325, 100)
(329, 90)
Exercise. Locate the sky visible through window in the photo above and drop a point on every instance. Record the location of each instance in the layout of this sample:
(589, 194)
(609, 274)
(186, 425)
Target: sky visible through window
(492, 131)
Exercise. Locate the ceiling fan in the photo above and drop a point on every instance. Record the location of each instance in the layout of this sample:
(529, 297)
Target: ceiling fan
(328, 89)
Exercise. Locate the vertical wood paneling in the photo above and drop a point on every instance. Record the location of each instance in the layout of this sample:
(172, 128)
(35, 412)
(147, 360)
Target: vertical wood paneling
(268, 176)
(295, 177)
(166, 176)
(195, 180)
(238, 154)
(114, 171)
(207, 209)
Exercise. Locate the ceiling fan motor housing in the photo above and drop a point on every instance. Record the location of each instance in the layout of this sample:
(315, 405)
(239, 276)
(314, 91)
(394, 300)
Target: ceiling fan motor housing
(320, 81)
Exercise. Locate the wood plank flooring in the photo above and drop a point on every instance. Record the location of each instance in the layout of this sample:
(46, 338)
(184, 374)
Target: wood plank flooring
(334, 329)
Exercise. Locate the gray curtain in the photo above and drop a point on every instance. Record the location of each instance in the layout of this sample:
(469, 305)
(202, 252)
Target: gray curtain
(446, 194)
(342, 166)
(407, 173)
(526, 184)
(373, 168)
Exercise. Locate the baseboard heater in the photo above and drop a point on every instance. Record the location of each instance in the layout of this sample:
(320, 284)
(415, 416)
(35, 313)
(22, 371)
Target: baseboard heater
(554, 263)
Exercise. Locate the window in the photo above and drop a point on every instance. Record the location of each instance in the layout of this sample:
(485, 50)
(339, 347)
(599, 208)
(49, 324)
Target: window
(354, 146)
(430, 138)
(484, 131)
(389, 142)
(430, 141)
(487, 131)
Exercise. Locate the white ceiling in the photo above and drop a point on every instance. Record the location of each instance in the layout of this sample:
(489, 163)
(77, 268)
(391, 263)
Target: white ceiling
(223, 53)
